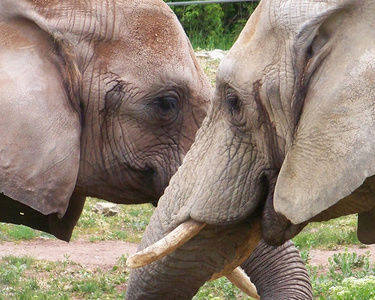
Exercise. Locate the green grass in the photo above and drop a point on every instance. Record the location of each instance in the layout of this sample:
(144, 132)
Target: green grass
(17, 232)
(26, 278)
(349, 277)
(128, 225)
(219, 289)
(329, 235)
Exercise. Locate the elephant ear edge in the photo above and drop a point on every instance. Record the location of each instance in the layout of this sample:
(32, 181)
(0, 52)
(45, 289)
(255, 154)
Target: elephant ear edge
(333, 150)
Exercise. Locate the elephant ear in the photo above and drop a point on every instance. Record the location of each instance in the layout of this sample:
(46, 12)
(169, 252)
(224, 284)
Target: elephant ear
(334, 150)
(39, 128)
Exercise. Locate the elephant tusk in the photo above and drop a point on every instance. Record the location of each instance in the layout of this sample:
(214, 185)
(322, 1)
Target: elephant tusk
(240, 279)
(173, 240)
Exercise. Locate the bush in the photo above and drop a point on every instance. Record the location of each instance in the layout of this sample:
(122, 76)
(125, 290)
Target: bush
(211, 26)
(350, 277)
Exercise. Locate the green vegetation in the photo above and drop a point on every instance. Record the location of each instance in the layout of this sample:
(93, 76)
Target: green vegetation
(17, 232)
(128, 225)
(329, 235)
(213, 26)
(27, 278)
(219, 289)
(350, 277)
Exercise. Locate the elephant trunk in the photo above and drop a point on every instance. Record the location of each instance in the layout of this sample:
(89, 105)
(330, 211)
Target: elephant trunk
(179, 275)
(277, 272)
(286, 277)
(172, 278)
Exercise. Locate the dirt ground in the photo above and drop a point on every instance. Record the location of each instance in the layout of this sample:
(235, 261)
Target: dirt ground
(106, 253)
(99, 254)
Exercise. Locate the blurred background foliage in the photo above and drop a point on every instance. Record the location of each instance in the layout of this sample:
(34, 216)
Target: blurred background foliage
(213, 26)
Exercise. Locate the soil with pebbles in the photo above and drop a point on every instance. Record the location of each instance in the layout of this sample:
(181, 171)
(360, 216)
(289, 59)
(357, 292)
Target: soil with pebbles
(106, 253)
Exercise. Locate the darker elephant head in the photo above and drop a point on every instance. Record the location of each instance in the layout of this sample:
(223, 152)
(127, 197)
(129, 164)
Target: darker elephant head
(108, 97)
(149, 97)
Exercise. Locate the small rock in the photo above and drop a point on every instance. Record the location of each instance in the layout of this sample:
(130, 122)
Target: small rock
(202, 54)
(217, 54)
(107, 209)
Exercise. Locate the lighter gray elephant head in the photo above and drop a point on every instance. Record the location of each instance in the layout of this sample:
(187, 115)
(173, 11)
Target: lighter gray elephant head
(289, 129)
(98, 98)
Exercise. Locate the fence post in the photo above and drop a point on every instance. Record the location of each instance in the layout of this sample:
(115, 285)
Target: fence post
(184, 3)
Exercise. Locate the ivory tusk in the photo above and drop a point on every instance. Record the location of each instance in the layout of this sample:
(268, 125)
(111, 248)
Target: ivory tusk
(173, 240)
(240, 279)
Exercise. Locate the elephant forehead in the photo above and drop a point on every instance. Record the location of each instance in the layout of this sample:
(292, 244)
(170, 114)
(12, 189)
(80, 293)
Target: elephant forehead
(147, 65)
(139, 23)
(156, 35)
(150, 46)
(290, 15)
(90, 3)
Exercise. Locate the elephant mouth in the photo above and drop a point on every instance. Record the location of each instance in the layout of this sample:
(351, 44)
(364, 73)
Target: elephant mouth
(156, 179)
(147, 187)
(151, 181)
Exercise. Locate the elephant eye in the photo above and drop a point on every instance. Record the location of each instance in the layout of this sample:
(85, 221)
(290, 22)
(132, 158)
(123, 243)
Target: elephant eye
(233, 102)
(166, 107)
(167, 104)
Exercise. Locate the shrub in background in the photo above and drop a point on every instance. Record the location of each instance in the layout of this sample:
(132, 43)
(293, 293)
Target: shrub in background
(211, 26)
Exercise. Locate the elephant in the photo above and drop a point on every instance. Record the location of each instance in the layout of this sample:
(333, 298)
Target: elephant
(287, 139)
(98, 98)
